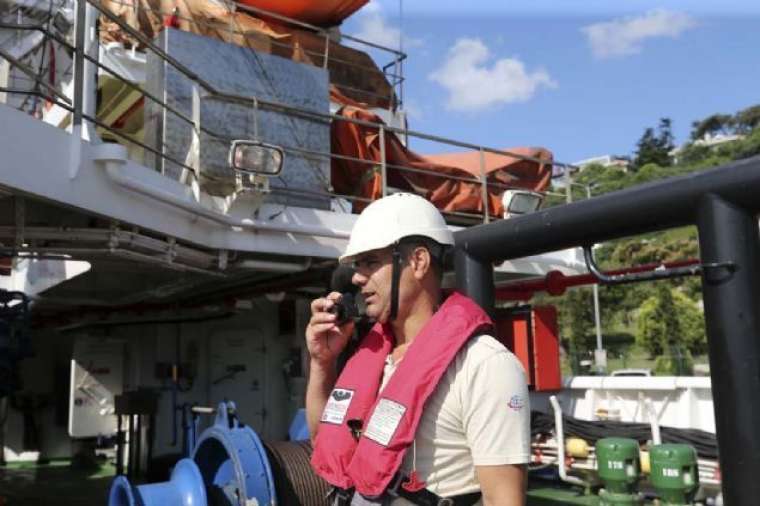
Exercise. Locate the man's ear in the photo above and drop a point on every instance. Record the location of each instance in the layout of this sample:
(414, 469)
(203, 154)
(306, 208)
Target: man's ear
(420, 262)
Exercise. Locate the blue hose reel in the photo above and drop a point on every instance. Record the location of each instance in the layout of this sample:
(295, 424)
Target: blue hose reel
(229, 467)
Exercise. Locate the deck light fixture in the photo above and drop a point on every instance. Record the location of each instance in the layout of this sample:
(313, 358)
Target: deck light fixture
(255, 157)
(518, 202)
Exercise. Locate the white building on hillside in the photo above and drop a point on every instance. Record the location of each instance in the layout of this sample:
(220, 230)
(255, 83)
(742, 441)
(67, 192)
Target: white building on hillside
(708, 140)
(620, 162)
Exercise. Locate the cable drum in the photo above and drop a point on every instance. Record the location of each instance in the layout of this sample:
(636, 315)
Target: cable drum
(296, 483)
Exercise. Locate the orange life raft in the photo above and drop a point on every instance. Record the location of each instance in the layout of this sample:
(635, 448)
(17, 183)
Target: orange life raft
(316, 12)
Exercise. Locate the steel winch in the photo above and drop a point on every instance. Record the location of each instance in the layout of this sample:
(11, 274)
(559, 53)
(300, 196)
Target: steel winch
(231, 466)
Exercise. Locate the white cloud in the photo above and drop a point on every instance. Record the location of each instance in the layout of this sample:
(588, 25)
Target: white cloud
(473, 84)
(624, 36)
(373, 27)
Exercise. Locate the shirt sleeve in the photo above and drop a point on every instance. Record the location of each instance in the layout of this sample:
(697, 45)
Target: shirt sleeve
(496, 410)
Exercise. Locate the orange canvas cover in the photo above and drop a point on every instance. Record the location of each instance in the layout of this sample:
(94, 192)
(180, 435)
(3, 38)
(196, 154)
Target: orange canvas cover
(528, 172)
(364, 179)
(316, 12)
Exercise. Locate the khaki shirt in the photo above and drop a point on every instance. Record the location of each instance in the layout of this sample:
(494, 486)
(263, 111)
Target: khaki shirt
(479, 415)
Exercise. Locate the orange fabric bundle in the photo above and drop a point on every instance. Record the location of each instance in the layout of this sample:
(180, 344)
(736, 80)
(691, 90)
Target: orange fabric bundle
(364, 178)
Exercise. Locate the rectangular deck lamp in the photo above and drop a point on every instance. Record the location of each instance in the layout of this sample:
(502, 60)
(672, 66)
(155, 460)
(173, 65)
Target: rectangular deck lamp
(518, 202)
(255, 157)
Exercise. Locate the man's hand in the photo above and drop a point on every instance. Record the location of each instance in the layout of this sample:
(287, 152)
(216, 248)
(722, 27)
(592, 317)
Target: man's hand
(324, 338)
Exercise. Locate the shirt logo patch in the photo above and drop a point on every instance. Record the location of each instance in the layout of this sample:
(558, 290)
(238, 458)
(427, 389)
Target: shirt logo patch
(516, 403)
(337, 406)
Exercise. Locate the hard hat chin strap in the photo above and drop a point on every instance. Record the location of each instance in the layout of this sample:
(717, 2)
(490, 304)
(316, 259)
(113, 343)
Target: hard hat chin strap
(395, 279)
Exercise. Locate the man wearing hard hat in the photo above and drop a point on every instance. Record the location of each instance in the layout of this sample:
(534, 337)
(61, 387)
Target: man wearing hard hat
(430, 409)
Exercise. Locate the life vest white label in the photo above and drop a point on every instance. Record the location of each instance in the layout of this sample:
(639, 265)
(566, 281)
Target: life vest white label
(337, 406)
(384, 421)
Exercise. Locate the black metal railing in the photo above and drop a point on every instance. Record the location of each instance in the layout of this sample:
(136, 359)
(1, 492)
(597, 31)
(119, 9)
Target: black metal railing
(723, 204)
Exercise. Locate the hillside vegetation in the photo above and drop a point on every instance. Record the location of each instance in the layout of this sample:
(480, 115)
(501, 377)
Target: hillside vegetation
(658, 325)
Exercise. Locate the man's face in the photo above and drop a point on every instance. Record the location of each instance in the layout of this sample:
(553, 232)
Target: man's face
(373, 274)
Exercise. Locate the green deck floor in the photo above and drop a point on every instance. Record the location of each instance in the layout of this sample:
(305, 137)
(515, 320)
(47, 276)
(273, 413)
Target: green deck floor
(57, 483)
(53, 484)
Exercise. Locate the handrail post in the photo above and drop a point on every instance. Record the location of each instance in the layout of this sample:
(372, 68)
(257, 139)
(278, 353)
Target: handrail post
(484, 186)
(327, 50)
(193, 159)
(383, 163)
(255, 118)
(196, 142)
(395, 104)
(85, 87)
(80, 30)
(89, 85)
(77, 117)
(401, 83)
(194, 152)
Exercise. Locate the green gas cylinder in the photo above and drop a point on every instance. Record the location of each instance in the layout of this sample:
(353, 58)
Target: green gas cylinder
(675, 474)
(617, 461)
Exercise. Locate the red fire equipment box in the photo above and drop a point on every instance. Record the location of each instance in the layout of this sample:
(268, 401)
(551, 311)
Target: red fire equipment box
(531, 334)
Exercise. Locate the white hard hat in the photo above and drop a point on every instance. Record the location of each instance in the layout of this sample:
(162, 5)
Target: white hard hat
(389, 219)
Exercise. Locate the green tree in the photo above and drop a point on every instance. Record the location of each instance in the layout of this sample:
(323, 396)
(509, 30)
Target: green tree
(747, 119)
(744, 148)
(691, 323)
(650, 172)
(604, 179)
(655, 147)
(579, 320)
(658, 324)
(650, 329)
(711, 125)
(646, 149)
(678, 362)
(665, 138)
(669, 319)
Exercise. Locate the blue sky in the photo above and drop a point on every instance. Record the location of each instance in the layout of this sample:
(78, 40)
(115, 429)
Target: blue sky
(580, 78)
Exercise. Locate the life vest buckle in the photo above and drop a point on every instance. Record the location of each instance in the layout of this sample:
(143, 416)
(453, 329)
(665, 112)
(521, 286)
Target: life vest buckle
(395, 484)
(341, 496)
(355, 426)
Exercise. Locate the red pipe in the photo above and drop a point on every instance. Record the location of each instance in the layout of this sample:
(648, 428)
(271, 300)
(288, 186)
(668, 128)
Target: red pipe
(555, 283)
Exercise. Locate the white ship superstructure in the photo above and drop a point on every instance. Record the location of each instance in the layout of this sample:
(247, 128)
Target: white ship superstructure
(144, 254)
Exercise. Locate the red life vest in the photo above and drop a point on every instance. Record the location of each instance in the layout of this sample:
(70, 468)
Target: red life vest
(389, 420)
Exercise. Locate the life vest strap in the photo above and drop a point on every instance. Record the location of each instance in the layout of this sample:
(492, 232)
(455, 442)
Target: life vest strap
(422, 497)
(425, 497)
